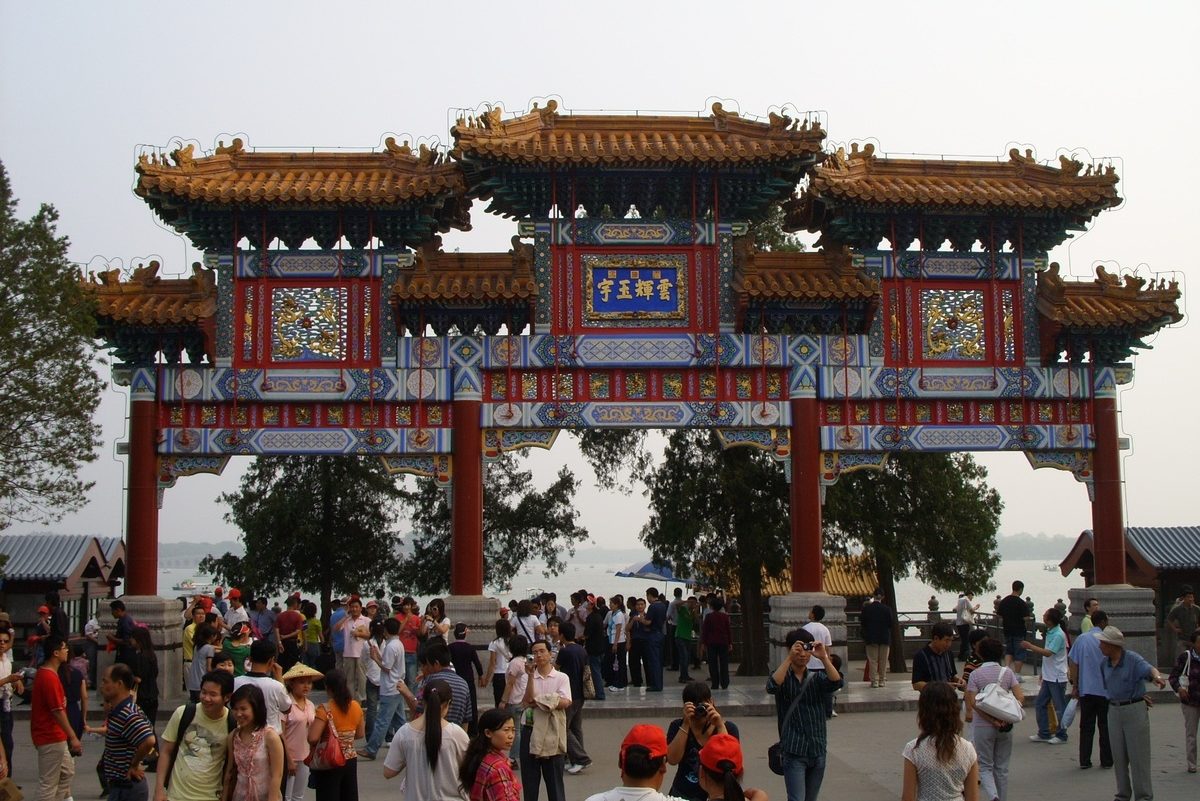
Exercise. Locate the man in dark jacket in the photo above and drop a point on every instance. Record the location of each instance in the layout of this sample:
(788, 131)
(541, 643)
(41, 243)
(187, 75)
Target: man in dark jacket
(876, 619)
(595, 641)
(573, 660)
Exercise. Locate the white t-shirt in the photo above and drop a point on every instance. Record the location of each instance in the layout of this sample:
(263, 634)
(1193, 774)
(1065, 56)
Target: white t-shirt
(407, 754)
(820, 633)
(6, 691)
(355, 647)
(616, 627)
(937, 780)
(392, 672)
(632, 794)
(500, 648)
(274, 693)
(516, 671)
(234, 616)
(527, 628)
(1054, 668)
(964, 613)
(372, 667)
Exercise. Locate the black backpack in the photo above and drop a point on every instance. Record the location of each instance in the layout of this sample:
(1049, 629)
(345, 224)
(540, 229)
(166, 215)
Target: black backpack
(185, 720)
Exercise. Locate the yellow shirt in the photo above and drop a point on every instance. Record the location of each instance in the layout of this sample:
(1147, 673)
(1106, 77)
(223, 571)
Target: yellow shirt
(189, 645)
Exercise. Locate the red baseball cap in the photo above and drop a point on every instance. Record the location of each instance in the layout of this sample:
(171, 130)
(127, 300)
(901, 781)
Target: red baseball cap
(722, 748)
(235, 593)
(648, 736)
(43, 610)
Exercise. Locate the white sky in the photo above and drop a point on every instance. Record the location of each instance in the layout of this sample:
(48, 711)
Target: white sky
(81, 85)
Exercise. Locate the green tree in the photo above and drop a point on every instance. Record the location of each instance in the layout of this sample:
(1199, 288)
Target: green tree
(768, 233)
(721, 514)
(49, 389)
(931, 515)
(318, 524)
(520, 523)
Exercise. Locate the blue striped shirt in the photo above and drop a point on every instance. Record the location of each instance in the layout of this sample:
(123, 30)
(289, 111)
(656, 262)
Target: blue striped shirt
(128, 728)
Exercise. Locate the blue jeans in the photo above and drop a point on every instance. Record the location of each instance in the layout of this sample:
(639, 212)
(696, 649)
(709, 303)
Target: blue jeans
(803, 776)
(596, 663)
(683, 653)
(136, 791)
(654, 662)
(391, 709)
(1055, 691)
(1012, 646)
(410, 670)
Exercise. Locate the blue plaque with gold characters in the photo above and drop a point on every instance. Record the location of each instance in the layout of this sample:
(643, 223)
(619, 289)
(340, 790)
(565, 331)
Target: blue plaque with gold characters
(636, 289)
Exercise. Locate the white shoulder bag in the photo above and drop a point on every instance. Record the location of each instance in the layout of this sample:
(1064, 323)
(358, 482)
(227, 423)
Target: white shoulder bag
(997, 701)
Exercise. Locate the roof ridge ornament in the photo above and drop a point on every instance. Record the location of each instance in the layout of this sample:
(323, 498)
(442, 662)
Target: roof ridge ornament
(184, 157)
(235, 147)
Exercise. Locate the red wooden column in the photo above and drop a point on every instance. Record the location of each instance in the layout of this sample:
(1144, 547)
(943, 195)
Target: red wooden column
(141, 526)
(807, 567)
(1108, 516)
(466, 548)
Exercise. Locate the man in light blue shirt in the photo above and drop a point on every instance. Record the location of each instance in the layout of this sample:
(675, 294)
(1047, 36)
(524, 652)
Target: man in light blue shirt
(338, 636)
(1124, 673)
(1054, 678)
(1084, 665)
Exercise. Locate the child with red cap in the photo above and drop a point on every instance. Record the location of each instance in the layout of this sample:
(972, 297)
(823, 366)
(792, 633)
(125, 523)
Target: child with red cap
(721, 768)
(643, 763)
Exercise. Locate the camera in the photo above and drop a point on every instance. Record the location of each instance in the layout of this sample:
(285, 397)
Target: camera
(808, 646)
(702, 710)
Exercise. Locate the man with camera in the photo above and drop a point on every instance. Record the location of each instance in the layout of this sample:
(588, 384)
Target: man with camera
(800, 708)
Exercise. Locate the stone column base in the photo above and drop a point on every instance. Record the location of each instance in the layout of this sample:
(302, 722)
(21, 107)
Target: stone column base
(791, 612)
(1129, 608)
(164, 618)
(479, 612)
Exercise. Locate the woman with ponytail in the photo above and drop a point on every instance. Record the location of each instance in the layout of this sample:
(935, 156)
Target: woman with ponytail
(486, 772)
(429, 750)
(721, 769)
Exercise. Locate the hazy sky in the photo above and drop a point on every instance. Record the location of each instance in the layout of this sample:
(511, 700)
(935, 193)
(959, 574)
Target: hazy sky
(82, 85)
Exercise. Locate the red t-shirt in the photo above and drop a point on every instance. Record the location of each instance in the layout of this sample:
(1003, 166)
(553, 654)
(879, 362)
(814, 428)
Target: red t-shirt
(289, 622)
(48, 697)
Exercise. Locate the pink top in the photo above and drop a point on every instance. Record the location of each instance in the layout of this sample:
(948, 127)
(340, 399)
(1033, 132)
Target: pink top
(295, 730)
(253, 767)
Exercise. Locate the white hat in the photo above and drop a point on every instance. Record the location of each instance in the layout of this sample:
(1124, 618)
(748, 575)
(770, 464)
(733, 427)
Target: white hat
(1113, 636)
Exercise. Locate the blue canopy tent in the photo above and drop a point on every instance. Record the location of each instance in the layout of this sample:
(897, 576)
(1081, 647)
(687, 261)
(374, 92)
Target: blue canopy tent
(648, 570)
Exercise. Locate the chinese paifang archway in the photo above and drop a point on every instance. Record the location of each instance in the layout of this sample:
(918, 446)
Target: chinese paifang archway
(959, 335)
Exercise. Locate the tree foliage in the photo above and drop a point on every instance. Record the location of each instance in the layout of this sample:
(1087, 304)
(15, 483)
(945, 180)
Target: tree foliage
(520, 523)
(49, 389)
(931, 515)
(318, 524)
(721, 514)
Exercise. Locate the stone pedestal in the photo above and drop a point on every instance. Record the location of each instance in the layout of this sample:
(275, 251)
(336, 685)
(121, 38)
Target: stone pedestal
(479, 612)
(791, 612)
(1130, 609)
(164, 618)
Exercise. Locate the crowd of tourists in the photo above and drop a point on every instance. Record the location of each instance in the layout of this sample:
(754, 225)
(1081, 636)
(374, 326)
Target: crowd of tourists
(406, 687)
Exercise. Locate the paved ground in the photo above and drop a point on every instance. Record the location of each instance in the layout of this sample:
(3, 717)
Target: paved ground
(864, 751)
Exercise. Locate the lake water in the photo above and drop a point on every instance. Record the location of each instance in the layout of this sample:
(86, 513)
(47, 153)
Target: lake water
(596, 575)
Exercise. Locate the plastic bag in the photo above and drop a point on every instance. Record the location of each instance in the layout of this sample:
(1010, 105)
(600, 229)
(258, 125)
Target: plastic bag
(1069, 713)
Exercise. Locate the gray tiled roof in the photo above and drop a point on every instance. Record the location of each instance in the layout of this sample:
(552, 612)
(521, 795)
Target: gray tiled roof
(49, 557)
(1165, 547)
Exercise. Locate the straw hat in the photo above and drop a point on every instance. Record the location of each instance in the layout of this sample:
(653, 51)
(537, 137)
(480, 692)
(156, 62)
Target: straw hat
(302, 671)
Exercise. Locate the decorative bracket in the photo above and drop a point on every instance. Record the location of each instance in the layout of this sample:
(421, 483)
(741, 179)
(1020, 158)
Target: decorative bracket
(835, 464)
(497, 441)
(1077, 463)
(437, 466)
(170, 468)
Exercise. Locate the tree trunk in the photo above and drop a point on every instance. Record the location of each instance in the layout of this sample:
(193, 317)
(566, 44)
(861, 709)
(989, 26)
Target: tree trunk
(887, 581)
(754, 641)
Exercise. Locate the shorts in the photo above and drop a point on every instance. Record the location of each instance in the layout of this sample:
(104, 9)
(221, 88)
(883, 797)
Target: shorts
(1012, 646)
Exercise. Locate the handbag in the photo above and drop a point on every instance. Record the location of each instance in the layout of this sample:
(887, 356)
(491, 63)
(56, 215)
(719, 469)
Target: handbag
(327, 754)
(775, 752)
(589, 684)
(998, 702)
